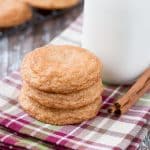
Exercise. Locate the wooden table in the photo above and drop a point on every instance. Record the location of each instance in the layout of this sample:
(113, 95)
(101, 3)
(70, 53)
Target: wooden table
(14, 47)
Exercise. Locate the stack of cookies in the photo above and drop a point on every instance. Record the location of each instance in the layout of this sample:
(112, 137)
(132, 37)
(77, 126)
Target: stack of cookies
(61, 84)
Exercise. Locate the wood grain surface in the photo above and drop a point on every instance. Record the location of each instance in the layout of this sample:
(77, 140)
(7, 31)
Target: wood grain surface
(13, 47)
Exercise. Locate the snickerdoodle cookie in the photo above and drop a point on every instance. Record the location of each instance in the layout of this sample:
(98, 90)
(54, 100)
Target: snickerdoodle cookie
(52, 4)
(13, 13)
(65, 101)
(59, 116)
(60, 69)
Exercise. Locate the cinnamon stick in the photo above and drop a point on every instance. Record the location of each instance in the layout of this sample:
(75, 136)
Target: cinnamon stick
(141, 86)
(111, 109)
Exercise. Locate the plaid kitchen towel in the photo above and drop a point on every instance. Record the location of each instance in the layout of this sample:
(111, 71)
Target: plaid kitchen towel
(13, 139)
(103, 132)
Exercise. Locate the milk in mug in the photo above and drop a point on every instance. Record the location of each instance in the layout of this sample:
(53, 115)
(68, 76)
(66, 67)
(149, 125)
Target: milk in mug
(118, 32)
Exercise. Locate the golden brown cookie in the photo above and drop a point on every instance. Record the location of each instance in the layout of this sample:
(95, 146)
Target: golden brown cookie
(58, 116)
(13, 13)
(52, 4)
(60, 69)
(65, 101)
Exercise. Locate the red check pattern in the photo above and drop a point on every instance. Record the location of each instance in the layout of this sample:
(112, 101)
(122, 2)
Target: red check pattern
(104, 132)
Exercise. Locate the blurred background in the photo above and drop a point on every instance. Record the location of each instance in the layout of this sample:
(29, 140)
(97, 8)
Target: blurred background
(40, 30)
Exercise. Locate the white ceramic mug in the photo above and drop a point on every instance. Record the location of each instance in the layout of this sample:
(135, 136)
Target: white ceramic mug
(118, 32)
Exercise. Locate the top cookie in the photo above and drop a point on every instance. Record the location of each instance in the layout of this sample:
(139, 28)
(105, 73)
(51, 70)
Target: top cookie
(60, 69)
(13, 13)
(52, 4)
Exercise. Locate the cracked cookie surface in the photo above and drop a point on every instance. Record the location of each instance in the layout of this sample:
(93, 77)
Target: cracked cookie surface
(65, 101)
(60, 69)
(58, 116)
